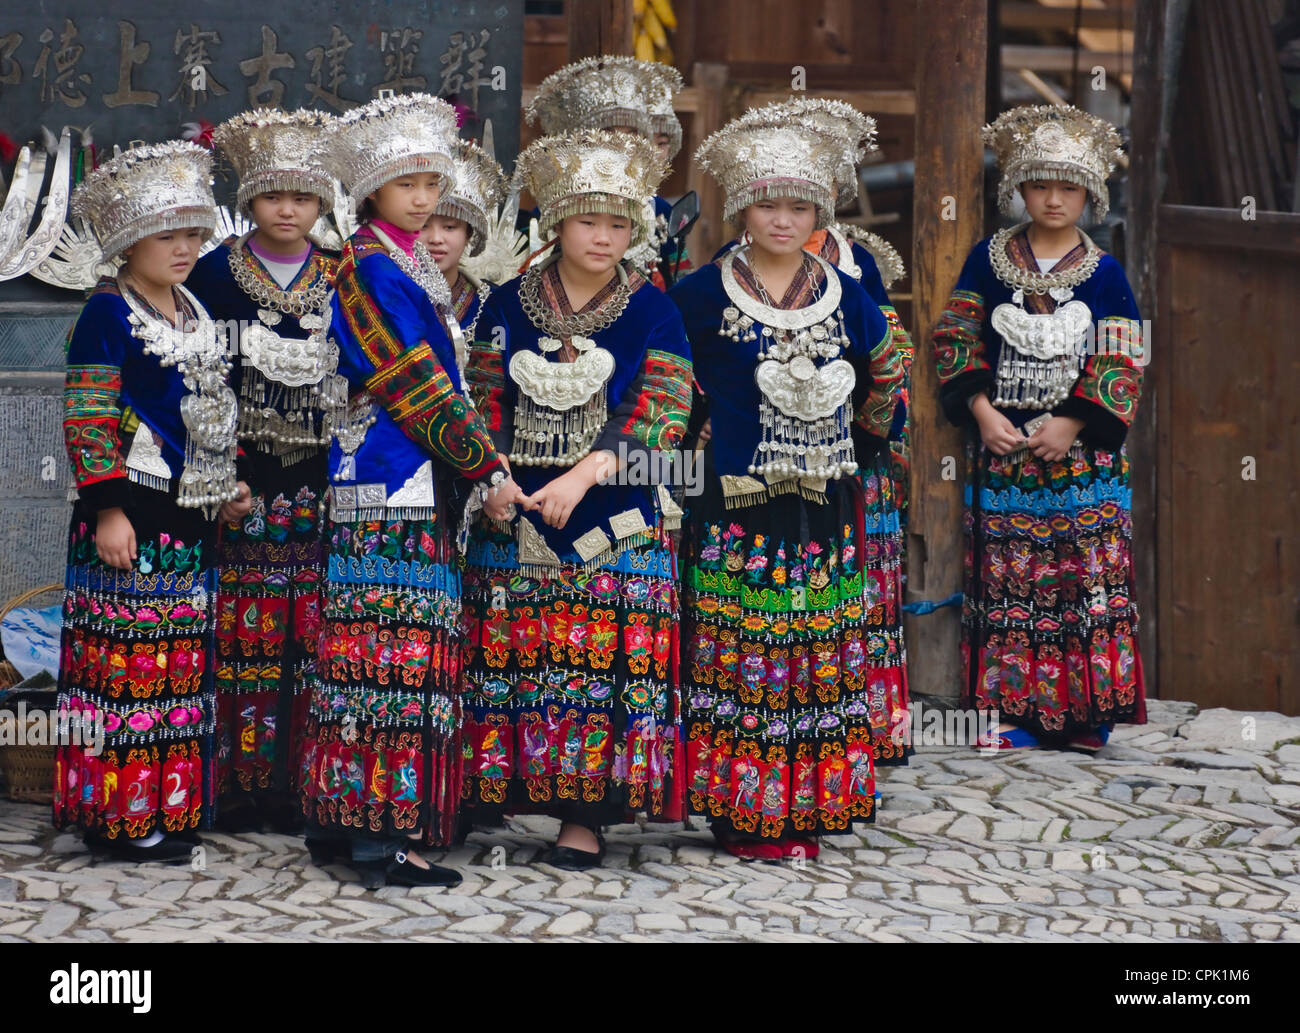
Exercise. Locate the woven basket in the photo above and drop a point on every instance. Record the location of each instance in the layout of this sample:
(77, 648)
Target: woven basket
(28, 770)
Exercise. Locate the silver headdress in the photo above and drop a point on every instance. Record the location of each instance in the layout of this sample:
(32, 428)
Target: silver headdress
(663, 117)
(606, 93)
(147, 190)
(392, 137)
(765, 154)
(275, 150)
(480, 187)
(1049, 141)
(591, 171)
(856, 130)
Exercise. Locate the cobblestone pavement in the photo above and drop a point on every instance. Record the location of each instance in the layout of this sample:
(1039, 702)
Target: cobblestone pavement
(1183, 829)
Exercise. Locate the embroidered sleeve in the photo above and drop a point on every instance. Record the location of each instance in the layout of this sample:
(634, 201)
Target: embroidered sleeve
(659, 401)
(413, 386)
(959, 355)
(486, 379)
(92, 412)
(1106, 394)
(875, 414)
(902, 345)
(656, 405)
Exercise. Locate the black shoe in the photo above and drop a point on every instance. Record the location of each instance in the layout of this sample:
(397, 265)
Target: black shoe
(571, 860)
(168, 850)
(234, 818)
(402, 872)
(373, 874)
(327, 851)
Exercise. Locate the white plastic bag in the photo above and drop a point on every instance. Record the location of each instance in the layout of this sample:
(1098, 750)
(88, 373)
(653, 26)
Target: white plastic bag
(31, 639)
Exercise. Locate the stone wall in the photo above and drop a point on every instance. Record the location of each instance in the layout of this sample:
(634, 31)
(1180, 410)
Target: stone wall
(34, 471)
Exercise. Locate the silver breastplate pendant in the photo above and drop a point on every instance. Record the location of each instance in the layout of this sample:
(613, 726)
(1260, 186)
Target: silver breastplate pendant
(1041, 352)
(562, 407)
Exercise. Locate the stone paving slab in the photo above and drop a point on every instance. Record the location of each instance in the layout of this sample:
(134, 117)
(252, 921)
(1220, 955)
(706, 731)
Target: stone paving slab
(1184, 829)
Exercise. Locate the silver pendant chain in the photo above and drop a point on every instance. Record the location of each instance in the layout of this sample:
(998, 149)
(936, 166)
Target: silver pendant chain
(1033, 281)
(582, 324)
(296, 303)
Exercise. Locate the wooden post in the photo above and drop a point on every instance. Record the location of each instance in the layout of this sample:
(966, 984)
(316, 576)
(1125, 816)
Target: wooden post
(709, 81)
(599, 27)
(1145, 188)
(948, 215)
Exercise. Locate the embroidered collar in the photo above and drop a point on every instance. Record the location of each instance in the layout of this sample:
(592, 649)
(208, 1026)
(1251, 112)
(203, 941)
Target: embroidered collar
(1013, 262)
(803, 289)
(314, 270)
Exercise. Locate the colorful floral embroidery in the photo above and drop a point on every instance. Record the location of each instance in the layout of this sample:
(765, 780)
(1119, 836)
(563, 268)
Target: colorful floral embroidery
(1048, 615)
(957, 345)
(570, 682)
(90, 422)
(1112, 376)
(876, 413)
(662, 408)
(486, 380)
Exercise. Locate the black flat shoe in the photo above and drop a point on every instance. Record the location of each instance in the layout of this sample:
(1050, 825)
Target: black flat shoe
(234, 819)
(168, 850)
(571, 860)
(373, 874)
(327, 851)
(402, 872)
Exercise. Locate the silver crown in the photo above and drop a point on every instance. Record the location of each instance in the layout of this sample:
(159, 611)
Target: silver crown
(1054, 141)
(591, 171)
(763, 154)
(480, 187)
(147, 190)
(856, 130)
(606, 93)
(273, 150)
(391, 137)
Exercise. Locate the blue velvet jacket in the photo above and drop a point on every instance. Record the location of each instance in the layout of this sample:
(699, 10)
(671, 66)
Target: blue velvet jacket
(967, 348)
(724, 369)
(393, 345)
(647, 397)
(111, 386)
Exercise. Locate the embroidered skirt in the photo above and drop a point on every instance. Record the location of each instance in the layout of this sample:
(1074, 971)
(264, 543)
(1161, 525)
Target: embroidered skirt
(572, 701)
(381, 755)
(782, 695)
(134, 650)
(882, 608)
(270, 569)
(1049, 623)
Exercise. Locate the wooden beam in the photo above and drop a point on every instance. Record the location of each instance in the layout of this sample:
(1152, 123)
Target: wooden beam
(948, 218)
(1064, 59)
(710, 84)
(1035, 16)
(599, 27)
(1225, 228)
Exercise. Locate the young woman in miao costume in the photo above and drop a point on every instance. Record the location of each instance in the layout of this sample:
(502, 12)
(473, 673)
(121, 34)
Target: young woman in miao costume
(380, 772)
(582, 372)
(781, 704)
(270, 289)
(149, 421)
(1040, 353)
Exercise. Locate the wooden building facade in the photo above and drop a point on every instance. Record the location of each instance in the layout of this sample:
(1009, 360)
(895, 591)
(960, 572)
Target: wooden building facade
(1215, 446)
